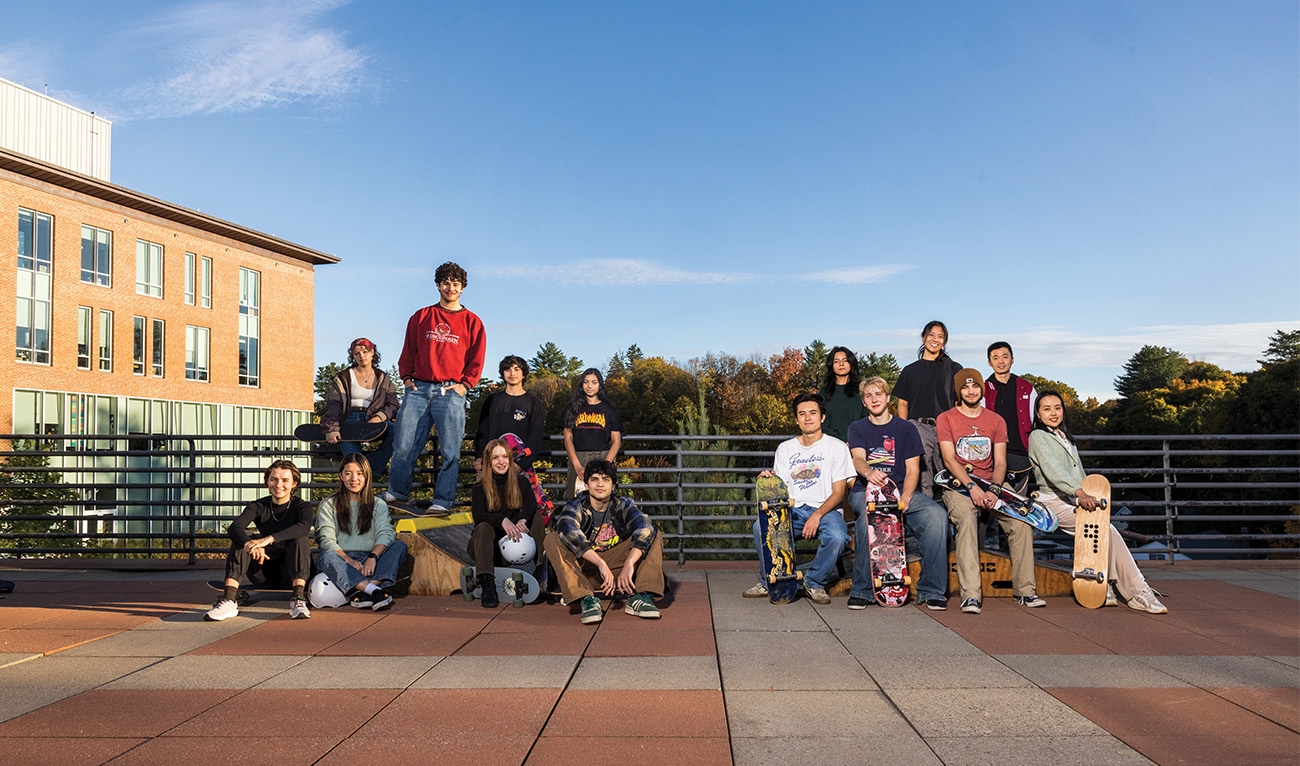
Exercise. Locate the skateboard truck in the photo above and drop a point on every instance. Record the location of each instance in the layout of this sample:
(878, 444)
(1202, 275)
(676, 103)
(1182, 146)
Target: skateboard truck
(1089, 574)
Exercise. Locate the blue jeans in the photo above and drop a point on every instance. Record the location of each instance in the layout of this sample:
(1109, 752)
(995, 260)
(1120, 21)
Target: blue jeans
(925, 524)
(342, 574)
(832, 533)
(379, 458)
(425, 405)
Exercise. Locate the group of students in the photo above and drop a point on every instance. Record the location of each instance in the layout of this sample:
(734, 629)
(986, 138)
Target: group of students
(949, 417)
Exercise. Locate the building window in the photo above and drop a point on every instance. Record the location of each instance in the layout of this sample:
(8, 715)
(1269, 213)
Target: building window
(35, 263)
(196, 353)
(158, 336)
(189, 279)
(250, 301)
(205, 286)
(148, 268)
(83, 337)
(105, 341)
(96, 256)
(137, 346)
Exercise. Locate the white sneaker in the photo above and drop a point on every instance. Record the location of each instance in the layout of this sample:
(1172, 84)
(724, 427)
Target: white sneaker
(389, 497)
(1110, 596)
(298, 609)
(758, 590)
(221, 610)
(1145, 601)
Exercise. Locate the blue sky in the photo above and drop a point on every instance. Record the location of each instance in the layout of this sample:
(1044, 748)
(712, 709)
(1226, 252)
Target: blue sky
(1078, 179)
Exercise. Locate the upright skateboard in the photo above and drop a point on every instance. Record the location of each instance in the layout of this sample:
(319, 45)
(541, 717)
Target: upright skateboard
(1092, 544)
(777, 533)
(889, 578)
(517, 450)
(348, 432)
(513, 585)
(1013, 504)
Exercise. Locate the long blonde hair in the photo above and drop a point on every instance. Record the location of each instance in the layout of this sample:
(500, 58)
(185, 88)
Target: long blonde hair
(514, 498)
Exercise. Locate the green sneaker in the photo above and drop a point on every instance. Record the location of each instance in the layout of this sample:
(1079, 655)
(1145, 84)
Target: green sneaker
(642, 605)
(590, 610)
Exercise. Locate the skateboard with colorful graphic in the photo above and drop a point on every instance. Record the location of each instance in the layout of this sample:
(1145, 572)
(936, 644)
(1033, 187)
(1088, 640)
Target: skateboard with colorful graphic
(513, 585)
(777, 533)
(348, 432)
(517, 450)
(889, 578)
(1012, 504)
(1092, 544)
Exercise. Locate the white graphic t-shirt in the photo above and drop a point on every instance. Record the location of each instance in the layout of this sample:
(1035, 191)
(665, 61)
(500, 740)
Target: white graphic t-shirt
(810, 473)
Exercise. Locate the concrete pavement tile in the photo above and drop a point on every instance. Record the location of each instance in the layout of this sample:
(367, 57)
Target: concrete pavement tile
(813, 714)
(1035, 751)
(13, 658)
(351, 673)
(1289, 661)
(548, 671)
(47, 641)
(116, 713)
(660, 638)
(966, 672)
(405, 635)
(1244, 632)
(989, 712)
(833, 751)
(479, 713)
(1225, 671)
(219, 671)
(106, 619)
(652, 713)
(66, 751)
(437, 745)
(811, 661)
(154, 643)
(647, 673)
(295, 637)
(76, 673)
(281, 712)
(531, 618)
(840, 617)
(16, 702)
(618, 751)
(554, 642)
(1222, 595)
(1192, 750)
(935, 641)
(761, 615)
(249, 616)
(282, 751)
(1073, 670)
(1281, 706)
(1165, 712)
(18, 616)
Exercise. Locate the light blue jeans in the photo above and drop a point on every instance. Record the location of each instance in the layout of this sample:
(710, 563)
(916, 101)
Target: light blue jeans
(833, 536)
(342, 574)
(925, 524)
(383, 453)
(425, 405)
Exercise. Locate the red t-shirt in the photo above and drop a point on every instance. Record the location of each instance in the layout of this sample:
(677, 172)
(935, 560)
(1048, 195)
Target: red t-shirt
(973, 438)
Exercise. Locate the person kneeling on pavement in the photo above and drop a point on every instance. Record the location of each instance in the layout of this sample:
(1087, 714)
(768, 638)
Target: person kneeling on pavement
(603, 542)
(359, 551)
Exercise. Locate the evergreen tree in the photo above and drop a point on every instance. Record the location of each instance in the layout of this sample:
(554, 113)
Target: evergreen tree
(886, 366)
(550, 360)
(1150, 368)
(40, 495)
(1283, 346)
(814, 365)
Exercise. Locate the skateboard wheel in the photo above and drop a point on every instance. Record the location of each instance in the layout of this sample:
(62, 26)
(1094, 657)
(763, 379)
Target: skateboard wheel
(1033, 495)
(907, 579)
(876, 581)
(467, 583)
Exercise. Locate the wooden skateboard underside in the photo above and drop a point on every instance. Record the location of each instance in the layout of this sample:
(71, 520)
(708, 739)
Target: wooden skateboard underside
(1092, 545)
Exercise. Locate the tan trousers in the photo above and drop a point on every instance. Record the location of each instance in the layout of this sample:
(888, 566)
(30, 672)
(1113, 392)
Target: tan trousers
(1020, 539)
(580, 578)
(1120, 564)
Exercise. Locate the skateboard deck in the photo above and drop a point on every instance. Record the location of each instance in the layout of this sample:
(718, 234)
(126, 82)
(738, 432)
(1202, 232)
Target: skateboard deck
(518, 449)
(246, 592)
(1092, 545)
(348, 432)
(889, 577)
(1009, 503)
(513, 585)
(777, 533)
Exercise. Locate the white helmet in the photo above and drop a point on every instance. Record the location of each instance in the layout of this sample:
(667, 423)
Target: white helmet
(322, 592)
(517, 553)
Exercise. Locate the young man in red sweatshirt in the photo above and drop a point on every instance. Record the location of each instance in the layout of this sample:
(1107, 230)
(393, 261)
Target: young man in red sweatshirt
(441, 360)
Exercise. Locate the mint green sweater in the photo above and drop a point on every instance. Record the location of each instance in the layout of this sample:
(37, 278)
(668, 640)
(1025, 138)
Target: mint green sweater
(328, 537)
(1056, 467)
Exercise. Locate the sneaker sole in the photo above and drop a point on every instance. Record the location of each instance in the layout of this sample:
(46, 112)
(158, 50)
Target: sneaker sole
(643, 615)
(210, 618)
(747, 594)
(937, 607)
(592, 620)
(857, 607)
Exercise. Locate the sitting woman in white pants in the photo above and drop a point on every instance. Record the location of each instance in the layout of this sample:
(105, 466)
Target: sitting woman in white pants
(1057, 467)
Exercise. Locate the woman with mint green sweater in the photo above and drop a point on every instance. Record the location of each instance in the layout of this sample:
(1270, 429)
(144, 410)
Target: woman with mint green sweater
(359, 551)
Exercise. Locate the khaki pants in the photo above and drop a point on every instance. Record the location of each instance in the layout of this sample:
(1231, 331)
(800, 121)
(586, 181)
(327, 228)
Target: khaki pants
(580, 578)
(1020, 539)
(1120, 564)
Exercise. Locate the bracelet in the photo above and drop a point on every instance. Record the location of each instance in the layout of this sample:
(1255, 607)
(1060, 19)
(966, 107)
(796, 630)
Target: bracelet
(372, 555)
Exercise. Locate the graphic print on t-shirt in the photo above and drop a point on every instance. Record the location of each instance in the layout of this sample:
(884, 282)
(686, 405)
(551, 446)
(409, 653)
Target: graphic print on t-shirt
(590, 420)
(805, 469)
(606, 538)
(520, 415)
(975, 447)
(882, 457)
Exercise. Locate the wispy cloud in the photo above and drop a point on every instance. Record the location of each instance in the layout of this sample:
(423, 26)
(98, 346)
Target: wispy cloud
(238, 55)
(24, 62)
(635, 272)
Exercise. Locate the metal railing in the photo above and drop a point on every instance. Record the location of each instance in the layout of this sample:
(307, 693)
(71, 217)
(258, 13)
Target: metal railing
(158, 496)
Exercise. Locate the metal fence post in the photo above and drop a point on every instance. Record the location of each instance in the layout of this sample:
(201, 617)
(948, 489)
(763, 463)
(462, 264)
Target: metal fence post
(1170, 510)
(681, 498)
(192, 503)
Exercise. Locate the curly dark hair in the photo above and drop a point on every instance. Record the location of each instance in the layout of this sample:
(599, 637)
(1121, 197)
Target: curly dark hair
(451, 270)
(373, 362)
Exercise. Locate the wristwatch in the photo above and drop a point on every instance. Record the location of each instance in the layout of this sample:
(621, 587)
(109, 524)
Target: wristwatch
(371, 555)
(970, 485)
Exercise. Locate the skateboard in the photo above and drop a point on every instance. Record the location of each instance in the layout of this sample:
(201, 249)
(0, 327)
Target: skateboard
(348, 432)
(777, 553)
(1092, 544)
(1013, 504)
(404, 508)
(889, 578)
(518, 449)
(513, 585)
(246, 592)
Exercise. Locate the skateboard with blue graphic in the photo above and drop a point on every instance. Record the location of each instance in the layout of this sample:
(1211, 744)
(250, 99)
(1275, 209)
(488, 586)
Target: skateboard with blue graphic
(777, 534)
(1009, 503)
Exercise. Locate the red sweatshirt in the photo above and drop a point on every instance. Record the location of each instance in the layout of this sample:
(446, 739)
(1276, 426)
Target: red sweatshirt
(443, 345)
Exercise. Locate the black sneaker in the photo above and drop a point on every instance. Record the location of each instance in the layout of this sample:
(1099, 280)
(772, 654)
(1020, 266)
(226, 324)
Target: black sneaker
(936, 604)
(360, 599)
(858, 602)
(381, 599)
(1032, 601)
(488, 584)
